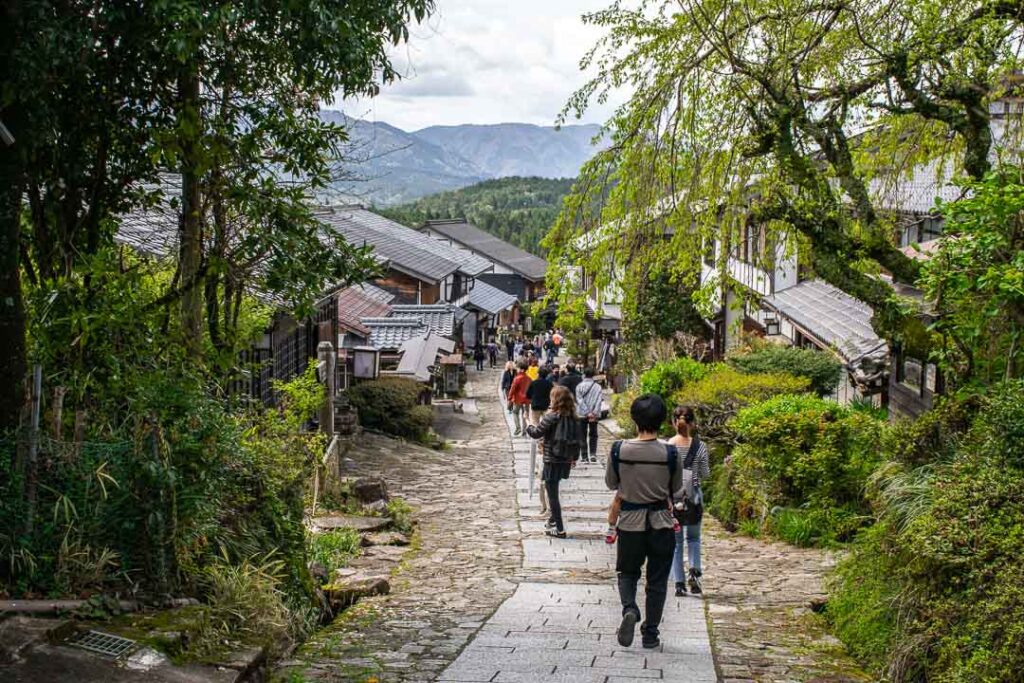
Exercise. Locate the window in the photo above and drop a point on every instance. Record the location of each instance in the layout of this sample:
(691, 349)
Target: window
(911, 374)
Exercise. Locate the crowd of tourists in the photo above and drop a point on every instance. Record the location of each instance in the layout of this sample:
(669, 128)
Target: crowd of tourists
(656, 512)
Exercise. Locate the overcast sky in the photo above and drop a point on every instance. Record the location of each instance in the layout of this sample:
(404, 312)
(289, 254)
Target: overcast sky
(488, 61)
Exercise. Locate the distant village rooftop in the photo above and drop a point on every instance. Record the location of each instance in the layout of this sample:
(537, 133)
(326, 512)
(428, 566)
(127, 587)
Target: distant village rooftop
(531, 267)
(407, 250)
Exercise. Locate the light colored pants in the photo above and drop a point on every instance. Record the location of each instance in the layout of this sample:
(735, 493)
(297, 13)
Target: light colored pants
(520, 417)
(689, 536)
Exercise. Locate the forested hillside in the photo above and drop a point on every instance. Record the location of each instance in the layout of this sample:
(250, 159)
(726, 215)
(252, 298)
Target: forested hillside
(518, 210)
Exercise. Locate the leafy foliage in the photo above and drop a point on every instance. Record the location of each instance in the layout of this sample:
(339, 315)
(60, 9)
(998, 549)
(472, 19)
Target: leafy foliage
(668, 377)
(977, 280)
(518, 210)
(391, 405)
(193, 481)
(808, 455)
(718, 397)
(752, 118)
(822, 369)
(933, 592)
(660, 307)
(334, 549)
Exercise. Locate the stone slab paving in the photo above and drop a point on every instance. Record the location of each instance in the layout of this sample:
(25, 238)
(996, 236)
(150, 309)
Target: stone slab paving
(759, 595)
(460, 569)
(559, 625)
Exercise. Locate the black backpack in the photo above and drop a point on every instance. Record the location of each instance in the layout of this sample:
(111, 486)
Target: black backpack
(567, 441)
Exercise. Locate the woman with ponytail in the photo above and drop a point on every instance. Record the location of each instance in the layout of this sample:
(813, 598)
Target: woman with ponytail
(690, 503)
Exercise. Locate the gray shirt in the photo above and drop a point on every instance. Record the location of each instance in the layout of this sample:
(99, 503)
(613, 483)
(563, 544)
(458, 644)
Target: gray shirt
(644, 478)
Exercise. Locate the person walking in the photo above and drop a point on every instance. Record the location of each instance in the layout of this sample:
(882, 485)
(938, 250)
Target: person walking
(520, 402)
(588, 408)
(539, 393)
(689, 510)
(533, 370)
(562, 444)
(478, 355)
(492, 353)
(646, 473)
(571, 378)
(517, 349)
(506, 382)
(510, 347)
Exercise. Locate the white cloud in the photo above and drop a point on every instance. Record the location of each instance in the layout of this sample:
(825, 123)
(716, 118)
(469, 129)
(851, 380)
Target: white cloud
(488, 61)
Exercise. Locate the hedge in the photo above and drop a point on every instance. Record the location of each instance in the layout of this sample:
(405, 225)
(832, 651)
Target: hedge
(822, 369)
(800, 469)
(391, 405)
(718, 396)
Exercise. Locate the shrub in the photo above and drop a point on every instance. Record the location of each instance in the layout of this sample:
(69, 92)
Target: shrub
(822, 369)
(334, 549)
(391, 405)
(620, 412)
(718, 396)
(668, 377)
(938, 585)
(800, 451)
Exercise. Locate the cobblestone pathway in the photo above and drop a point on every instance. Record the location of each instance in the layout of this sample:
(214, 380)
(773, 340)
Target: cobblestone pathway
(560, 623)
(468, 550)
(759, 595)
(486, 596)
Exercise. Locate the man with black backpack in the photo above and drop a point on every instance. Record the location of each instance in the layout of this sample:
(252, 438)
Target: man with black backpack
(646, 473)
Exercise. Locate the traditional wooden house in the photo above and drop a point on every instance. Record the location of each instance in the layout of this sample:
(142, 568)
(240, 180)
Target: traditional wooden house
(514, 270)
(421, 270)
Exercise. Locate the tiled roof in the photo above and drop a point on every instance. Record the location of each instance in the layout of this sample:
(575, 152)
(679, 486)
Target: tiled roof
(832, 316)
(419, 354)
(391, 333)
(154, 231)
(362, 301)
(489, 299)
(523, 262)
(438, 317)
(408, 250)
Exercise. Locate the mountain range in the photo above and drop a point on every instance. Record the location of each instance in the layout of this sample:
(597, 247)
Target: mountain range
(384, 165)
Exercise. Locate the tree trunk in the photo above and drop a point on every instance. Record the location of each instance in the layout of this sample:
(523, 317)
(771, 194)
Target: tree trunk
(190, 246)
(13, 363)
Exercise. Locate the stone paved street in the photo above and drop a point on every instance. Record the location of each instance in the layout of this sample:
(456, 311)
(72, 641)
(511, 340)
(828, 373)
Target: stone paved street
(560, 624)
(759, 595)
(486, 596)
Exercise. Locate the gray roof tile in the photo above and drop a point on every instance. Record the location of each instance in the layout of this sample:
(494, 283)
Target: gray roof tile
(407, 249)
(489, 299)
(831, 315)
(437, 317)
(523, 262)
(390, 333)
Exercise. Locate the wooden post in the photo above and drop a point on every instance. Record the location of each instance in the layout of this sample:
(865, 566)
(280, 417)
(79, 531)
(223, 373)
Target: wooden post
(327, 359)
(32, 474)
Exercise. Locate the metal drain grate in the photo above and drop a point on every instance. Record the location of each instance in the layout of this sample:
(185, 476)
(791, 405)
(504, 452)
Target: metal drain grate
(102, 643)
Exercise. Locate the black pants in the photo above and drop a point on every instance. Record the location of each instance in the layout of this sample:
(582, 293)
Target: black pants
(655, 547)
(555, 505)
(494, 360)
(590, 429)
(479, 363)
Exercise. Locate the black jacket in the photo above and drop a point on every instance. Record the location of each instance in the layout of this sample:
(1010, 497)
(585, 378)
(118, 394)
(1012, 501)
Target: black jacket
(561, 443)
(506, 381)
(571, 381)
(539, 393)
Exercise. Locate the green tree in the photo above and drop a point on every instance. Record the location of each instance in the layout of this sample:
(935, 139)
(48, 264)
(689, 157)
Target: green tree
(751, 117)
(225, 95)
(518, 210)
(977, 280)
